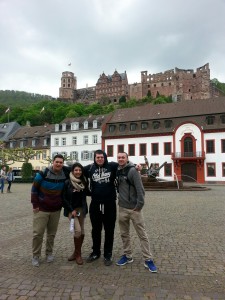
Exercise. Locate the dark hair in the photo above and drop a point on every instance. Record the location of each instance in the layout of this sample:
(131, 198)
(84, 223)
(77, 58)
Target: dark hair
(58, 156)
(82, 177)
(123, 153)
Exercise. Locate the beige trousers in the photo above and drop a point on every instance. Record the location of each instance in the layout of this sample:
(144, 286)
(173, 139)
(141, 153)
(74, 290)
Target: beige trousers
(44, 221)
(125, 216)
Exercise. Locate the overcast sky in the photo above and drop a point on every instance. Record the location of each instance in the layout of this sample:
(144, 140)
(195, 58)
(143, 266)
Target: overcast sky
(39, 38)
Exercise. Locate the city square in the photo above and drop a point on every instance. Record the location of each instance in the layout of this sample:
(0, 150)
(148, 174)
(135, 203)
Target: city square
(186, 233)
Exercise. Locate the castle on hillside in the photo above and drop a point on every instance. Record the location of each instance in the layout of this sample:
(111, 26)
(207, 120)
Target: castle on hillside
(180, 84)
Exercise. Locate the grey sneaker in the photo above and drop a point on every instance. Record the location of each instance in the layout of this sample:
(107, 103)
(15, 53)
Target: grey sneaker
(35, 261)
(50, 258)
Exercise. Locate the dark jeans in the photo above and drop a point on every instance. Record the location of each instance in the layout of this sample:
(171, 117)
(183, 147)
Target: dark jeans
(9, 185)
(103, 215)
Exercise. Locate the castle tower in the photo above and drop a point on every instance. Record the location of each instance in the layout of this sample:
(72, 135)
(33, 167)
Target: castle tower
(68, 85)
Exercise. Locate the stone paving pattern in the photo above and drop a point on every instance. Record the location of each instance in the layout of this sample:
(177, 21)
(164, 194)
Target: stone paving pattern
(187, 235)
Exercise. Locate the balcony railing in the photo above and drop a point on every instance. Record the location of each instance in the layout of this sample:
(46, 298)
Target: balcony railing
(198, 154)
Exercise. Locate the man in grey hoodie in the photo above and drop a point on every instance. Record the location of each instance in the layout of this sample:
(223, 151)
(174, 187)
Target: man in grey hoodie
(131, 202)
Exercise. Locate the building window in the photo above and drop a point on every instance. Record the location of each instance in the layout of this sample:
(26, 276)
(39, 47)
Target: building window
(75, 126)
(38, 156)
(167, 148)
(142, 150)
(44, 154)
(131, 149)
(85, 139)
(56, 142)
(155, 124)
(95, 139)
(168, 170)
(222, 118)
(95, 124)
(21, 144)
(133, 126)
(122, 127)
(85, 155)
(110, 151)
(74, 155)
(112, 128)
(210, 146)
(85, 124)
(155, 149)
(45, 142)
(223, 146)
(120, 148)
(168, 123)
(33, 143)
(211, 169)
(74, 140)
(223, 169)
(56, 127)
(63, 141)
(210, 120)
(11, 145)
(144, 125)
(64, 127)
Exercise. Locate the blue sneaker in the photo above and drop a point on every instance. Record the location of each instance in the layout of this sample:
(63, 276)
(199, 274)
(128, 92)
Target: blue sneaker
(124, 260)
(149, 264)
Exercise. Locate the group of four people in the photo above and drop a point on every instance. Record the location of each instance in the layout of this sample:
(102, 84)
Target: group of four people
(59, 187)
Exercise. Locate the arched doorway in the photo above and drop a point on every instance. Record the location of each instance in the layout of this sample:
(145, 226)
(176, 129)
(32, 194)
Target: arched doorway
(189, 172)
(188, 147)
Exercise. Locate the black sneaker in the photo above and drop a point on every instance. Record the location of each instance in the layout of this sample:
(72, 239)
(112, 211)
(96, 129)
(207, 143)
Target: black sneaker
(108, 261)
(92, 257)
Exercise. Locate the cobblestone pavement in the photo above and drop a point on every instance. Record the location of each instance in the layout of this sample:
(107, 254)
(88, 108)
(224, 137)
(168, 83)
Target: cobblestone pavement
(187, 235)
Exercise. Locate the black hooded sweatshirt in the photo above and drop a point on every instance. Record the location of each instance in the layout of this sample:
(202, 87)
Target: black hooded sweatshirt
(102, 180)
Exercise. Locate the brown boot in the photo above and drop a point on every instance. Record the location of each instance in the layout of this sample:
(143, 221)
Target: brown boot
(78, 244)
(73, 256)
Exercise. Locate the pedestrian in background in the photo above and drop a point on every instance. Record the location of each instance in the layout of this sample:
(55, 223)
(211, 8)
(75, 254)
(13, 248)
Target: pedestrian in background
(2, 178)
(9, 179)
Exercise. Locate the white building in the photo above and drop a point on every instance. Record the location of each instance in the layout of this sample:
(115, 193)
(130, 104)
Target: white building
(189, 136)
(78, 138)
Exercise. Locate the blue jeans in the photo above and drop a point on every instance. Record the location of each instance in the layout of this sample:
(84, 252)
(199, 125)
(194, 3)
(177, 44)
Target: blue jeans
(2, 182)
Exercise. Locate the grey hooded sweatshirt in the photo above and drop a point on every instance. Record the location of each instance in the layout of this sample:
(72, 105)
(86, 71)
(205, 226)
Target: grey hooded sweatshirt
(130, 187)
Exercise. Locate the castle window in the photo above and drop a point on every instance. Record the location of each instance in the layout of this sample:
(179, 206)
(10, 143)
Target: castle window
(74, 140)
(75, 126)
(56, 142)
(85, 139)
(64, 127)
(74, 155)
(56, 127)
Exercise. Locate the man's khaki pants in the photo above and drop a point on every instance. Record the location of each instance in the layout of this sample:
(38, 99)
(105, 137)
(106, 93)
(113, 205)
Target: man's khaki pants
(44, 221)
(125, 216)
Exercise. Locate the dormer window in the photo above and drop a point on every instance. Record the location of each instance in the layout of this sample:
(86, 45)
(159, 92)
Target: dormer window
(45, 142)
(222, 118)
(168, 123)
(122, 127)
(133, 126)
(144, 125)
(210, 120)
(155, 124)
(85, 124)
(95, 124)
(112, 128)
(33, 143)
(74, 126)
(56, 127)
(64, 127)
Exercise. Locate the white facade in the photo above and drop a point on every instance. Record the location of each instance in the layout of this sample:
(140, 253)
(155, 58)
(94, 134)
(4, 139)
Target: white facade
(77, 142)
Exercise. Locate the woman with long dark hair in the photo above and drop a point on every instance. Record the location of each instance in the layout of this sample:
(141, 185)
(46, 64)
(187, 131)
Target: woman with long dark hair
(75, 206)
